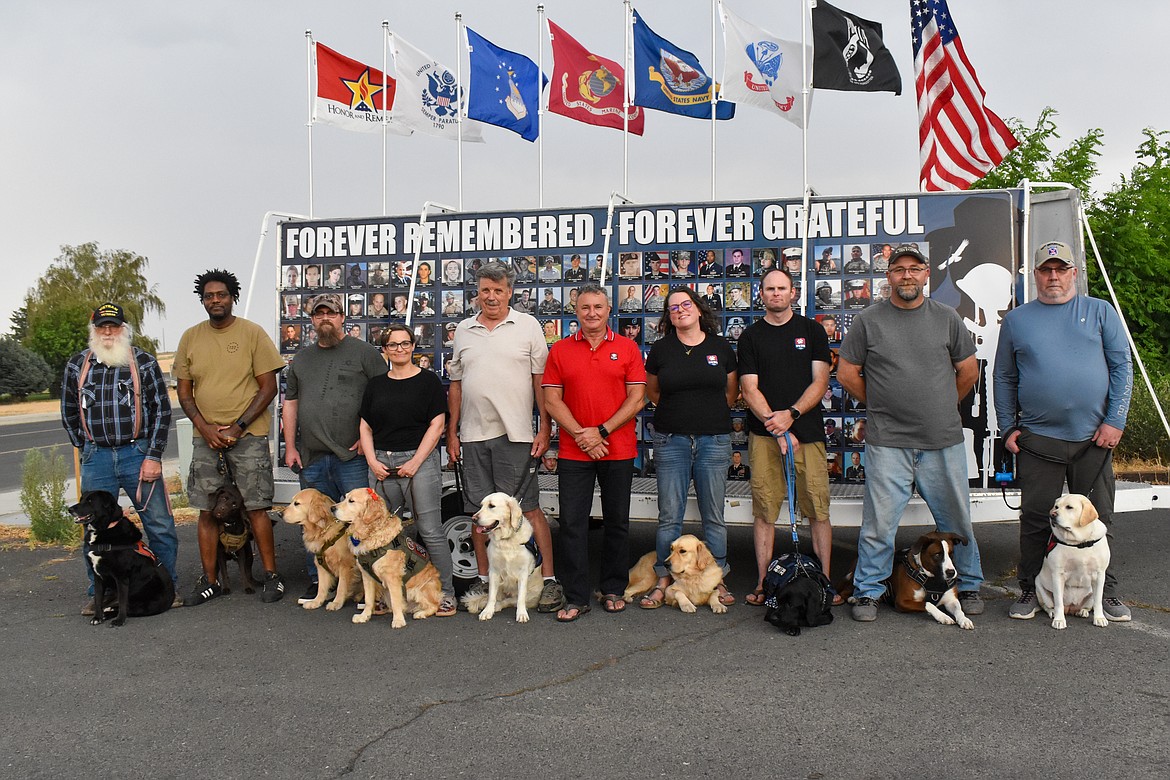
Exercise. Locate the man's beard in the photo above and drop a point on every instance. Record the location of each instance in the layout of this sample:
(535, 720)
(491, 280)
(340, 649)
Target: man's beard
(328, 335)
(909, 292)
(118, 354)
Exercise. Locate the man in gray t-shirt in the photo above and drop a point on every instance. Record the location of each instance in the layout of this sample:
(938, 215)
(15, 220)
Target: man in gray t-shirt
(918, 360)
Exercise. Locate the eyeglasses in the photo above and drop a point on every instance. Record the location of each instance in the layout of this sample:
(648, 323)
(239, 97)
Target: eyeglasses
(1059, 270)
(686, 305)
(904, 270)
(394, 346)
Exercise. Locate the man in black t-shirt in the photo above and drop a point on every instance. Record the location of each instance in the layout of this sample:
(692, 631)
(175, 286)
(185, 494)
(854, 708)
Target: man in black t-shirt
(783, 372)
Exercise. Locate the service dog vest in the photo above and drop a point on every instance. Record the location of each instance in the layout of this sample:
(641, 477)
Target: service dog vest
(321, 555)
(785, 569)
(416, 556)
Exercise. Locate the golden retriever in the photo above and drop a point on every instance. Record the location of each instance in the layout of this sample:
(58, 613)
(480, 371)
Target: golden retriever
(327, 538)
(513, 574)
(696, 576)
(385, 557)
(1072, 578)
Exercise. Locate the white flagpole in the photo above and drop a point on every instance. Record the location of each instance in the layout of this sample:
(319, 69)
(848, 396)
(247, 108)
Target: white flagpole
(714, 95)
(385, 108)
(541, 30)
(806, 78)
(309, 82)
(460, 45)
(629, 55)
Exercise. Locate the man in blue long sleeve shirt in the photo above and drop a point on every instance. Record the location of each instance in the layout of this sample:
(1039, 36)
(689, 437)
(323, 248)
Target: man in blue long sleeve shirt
(1063, 380)
(115, 408)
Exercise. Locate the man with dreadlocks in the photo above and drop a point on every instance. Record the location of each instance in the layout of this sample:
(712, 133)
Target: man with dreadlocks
(227, 369)
(115, 408)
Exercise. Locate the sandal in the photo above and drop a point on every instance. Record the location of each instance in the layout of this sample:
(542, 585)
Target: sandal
(755, 598)
(726, 597)
(446, 606)
(649, 602)
(610, 602)
(577, 609)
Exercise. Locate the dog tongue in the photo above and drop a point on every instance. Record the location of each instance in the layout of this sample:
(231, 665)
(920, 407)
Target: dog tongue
(480, 529)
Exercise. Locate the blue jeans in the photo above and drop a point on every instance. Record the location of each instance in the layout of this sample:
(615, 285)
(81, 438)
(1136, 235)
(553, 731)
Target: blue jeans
(334, 477)
(425, 492)
(680, 458)
(941, 478)
(114, 468)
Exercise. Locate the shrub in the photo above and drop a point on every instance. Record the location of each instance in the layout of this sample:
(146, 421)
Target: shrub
(42, 497)
(1145, 438)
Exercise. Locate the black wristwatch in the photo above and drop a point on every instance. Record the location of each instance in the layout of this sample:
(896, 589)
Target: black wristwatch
(601, 429)
(794, 412)
(242, 423)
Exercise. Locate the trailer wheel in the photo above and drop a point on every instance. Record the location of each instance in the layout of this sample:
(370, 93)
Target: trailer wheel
(458, 531)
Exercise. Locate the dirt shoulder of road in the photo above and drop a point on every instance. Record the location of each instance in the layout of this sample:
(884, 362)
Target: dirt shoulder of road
(29, 407)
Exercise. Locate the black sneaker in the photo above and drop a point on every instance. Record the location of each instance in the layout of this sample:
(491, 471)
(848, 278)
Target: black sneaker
(204, 591)
(310, 594)
(273, 588)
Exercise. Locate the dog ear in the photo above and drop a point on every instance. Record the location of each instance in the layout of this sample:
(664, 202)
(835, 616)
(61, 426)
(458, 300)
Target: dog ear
(1088, 511)
(703, 556)
(916, 548)
(515, 514)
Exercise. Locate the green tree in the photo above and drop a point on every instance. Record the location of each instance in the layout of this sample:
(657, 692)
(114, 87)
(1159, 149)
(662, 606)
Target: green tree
(22, 371)
(1034, 159)
(58, 337)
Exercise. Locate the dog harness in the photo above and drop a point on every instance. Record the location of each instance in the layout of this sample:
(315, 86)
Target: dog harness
(935, 586)
(321, 555)
(531, 547)
(233, 543)
(786, 568)
(138, 547)
(1053, 541)
(416, 556)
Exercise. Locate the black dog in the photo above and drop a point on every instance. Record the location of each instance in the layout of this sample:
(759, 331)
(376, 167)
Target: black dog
(235, 536)
(121, 561)
(798, 594)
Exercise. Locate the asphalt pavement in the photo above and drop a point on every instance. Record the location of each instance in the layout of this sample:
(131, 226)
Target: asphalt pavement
(240, 689)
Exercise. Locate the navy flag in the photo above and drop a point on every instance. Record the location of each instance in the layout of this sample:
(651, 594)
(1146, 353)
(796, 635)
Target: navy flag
(671, 79)
(504, 87)
(848, 53)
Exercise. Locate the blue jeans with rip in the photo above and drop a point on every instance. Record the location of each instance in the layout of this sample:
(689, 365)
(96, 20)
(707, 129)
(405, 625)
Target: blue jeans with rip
(679, 459)
(334, 477)
(117, 468)
(941, 479)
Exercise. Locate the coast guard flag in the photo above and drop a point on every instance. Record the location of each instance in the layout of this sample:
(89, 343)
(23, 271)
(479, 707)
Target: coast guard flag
(504, 88)
(349, 94)
(587, 87)
(849, 53)
(959, 138)
(762, 70)
(668, 78)
(427, 97)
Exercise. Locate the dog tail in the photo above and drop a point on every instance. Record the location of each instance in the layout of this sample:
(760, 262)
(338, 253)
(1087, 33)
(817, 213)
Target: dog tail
(474, 602)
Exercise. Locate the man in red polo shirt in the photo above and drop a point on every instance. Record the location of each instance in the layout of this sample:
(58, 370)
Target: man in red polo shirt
(594, 384)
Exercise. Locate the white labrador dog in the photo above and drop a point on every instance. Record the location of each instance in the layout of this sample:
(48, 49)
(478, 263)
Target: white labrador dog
(1072, 578)
(513, 571)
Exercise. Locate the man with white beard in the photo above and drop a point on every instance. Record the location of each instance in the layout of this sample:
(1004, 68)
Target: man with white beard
(115, 408)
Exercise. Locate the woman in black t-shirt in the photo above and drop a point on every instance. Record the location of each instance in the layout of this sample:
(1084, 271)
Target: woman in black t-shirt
(691, 378)
(402, 418)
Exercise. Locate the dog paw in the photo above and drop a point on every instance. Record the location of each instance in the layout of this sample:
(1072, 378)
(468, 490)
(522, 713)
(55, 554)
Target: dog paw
(521, 616)
(1083, 613)
(398, 622)
(246, 590)
(966, 624)
(486, 614)
(717, 608)
(1059, 623)
(117, 622)
(361, 617)
(687, 606)
(1101, 621)
(333, 606)
(312, 605)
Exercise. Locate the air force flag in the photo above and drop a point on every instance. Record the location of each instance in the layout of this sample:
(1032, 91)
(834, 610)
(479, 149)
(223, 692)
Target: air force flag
(668, 78)
(762, 70)
(504, 88)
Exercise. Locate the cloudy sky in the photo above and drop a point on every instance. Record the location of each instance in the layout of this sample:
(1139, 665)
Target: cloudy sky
(170, 129)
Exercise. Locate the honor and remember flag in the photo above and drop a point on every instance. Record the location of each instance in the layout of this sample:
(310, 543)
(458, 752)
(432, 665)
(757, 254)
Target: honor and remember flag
(849, 53)
(504, 87)
(427, 96)
(960, 139)
(587, 87)
(668, 78)
(762, 70)
(350, 94)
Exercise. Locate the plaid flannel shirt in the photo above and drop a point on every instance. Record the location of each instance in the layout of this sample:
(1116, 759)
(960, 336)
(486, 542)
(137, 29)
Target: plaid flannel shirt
(107, 401)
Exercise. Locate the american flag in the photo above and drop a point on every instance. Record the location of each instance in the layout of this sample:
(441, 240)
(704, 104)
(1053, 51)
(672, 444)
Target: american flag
(959, 138)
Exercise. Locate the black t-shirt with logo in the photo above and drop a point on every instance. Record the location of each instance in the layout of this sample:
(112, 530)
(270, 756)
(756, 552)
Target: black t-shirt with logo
(693, 385)
(781, 356)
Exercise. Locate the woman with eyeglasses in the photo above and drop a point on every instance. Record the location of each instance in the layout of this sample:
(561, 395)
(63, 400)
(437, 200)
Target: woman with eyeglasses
(692, 380)
(403, 414)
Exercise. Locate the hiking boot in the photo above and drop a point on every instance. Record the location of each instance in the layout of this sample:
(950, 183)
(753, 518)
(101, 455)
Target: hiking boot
(1116, 610)
(204, 591)
(865, 610)
(273, 588)
(310, 594)
(552, 597)
(1025, 606)
(971, 602)
(178, 601)
(89, 609)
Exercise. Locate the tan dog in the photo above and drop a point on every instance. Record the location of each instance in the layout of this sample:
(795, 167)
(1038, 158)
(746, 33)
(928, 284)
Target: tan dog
(513, 574)
(696, 576)
(327, 538)
(387, 558)
(1072, 578)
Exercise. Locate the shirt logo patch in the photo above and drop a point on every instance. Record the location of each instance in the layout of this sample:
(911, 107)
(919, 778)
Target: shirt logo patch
(712, 360)
(613, 356)
(800, 343)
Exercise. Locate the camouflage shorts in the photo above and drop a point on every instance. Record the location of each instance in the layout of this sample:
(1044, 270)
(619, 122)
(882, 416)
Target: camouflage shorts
(248, 463)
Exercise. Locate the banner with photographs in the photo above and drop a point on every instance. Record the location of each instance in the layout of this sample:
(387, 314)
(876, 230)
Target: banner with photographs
(720, 250)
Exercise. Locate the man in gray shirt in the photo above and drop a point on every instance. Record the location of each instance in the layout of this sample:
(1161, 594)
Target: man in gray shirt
(919, 360)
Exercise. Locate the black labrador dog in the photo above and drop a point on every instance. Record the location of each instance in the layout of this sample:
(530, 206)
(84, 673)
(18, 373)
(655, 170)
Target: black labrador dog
(121, 561)
(235, 536)
(798, 593)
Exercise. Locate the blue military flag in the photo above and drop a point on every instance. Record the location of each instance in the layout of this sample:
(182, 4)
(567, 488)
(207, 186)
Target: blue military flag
(668, 78)
(504, 88)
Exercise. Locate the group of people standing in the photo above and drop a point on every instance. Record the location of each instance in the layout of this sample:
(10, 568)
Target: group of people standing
(353, 418)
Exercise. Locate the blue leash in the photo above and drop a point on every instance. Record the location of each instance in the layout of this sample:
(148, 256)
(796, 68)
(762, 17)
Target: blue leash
(790, 477)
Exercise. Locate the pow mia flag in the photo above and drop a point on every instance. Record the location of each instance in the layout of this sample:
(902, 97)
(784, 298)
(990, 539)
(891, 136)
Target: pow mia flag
(848, 53)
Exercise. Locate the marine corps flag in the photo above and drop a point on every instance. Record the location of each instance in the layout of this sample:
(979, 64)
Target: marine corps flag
(849, 54)
(349, 94)
(669, 78)
(587, 87)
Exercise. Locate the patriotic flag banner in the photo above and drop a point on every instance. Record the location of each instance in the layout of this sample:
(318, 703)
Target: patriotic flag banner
(427, 97)
(350, 94)
(669, 78)
(587, 87)
(504, 88)
(849, 53)
(959, 138)
(762, 70)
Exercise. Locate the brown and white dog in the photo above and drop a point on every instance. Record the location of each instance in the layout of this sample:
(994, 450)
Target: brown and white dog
(389, 561)
(696, 576)
(1072, 578)
(327, 538)
(513, 567)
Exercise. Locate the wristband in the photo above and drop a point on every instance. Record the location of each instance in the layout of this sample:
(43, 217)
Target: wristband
(242, 423)
(601, 429)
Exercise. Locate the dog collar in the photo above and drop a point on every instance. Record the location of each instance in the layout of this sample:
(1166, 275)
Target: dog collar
(1080, 546)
